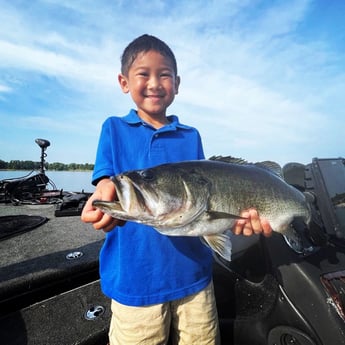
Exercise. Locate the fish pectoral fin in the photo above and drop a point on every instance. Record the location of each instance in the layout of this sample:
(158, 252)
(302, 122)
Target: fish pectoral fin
(221, 244)
(221, 215)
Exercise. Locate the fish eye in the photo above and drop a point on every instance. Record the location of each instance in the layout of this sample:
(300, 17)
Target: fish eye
(147, 174)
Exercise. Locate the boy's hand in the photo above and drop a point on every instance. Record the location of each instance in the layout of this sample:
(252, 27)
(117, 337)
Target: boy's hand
(105, 190)
(253, 224)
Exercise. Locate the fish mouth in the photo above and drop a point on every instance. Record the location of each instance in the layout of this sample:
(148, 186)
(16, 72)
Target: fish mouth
(129, 203)
(130, 197)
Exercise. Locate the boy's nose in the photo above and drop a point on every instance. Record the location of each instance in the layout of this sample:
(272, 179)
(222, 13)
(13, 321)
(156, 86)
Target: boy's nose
(153, 82)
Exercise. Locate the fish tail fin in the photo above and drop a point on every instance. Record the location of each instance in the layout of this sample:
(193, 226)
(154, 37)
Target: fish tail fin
(302, 237)
(294, 241)
(221, 244)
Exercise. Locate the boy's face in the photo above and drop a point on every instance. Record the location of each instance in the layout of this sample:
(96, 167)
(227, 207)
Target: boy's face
(152, 83)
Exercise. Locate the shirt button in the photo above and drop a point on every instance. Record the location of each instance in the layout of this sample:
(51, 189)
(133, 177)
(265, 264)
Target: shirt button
(156, 135)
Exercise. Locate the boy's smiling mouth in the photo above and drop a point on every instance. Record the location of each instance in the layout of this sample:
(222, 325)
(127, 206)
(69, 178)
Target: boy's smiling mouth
(155, 96)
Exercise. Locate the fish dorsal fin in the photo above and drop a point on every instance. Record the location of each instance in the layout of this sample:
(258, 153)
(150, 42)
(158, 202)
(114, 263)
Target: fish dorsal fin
(228, 159)
(269, 165)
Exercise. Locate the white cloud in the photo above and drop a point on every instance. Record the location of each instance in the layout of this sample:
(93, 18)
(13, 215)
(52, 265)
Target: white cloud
(5, 88)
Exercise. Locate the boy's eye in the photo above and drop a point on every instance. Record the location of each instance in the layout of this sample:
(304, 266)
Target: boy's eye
(160, 75)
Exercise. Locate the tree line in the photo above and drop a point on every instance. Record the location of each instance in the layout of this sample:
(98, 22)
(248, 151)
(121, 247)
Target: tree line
(31, 165)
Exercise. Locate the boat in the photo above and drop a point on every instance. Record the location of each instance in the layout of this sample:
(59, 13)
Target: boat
(269, 294)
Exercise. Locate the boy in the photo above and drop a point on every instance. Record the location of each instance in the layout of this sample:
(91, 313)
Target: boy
(156, 282)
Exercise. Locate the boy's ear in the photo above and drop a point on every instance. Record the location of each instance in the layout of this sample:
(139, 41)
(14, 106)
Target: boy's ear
(123, 83)
(177, 84)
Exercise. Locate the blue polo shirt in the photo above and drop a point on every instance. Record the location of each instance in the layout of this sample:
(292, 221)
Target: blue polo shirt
(138, 265)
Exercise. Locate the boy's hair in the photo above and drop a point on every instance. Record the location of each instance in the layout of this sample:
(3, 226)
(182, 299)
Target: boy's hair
(143, 44)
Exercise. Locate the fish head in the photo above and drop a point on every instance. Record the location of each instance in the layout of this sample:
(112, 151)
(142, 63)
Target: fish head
(164, 196)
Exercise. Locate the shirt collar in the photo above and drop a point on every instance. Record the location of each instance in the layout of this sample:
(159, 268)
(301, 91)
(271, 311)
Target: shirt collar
(133, 118)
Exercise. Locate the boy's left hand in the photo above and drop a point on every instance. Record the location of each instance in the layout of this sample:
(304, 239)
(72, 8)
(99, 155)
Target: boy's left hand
(252, 224)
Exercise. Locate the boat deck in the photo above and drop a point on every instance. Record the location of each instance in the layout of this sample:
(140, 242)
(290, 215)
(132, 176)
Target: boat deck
(49, 283)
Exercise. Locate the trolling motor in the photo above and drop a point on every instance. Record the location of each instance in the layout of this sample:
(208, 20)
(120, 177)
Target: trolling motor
(29, 188)
(43, 144)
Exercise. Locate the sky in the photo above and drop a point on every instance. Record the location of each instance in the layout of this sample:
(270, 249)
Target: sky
(260, 79)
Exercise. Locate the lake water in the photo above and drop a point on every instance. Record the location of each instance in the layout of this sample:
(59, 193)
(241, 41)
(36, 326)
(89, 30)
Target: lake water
(71, 181)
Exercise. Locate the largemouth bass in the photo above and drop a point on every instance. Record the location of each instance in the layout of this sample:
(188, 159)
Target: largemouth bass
(205, 198)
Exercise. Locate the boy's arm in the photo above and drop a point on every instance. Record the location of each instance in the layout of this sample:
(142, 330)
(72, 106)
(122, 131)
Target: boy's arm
(252, 224)
(105, 190)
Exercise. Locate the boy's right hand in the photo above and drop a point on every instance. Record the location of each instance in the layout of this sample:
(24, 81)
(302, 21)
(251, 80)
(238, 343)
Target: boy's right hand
(105, 190)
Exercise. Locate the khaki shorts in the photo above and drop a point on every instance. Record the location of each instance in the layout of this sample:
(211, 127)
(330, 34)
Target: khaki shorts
(190, 320)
